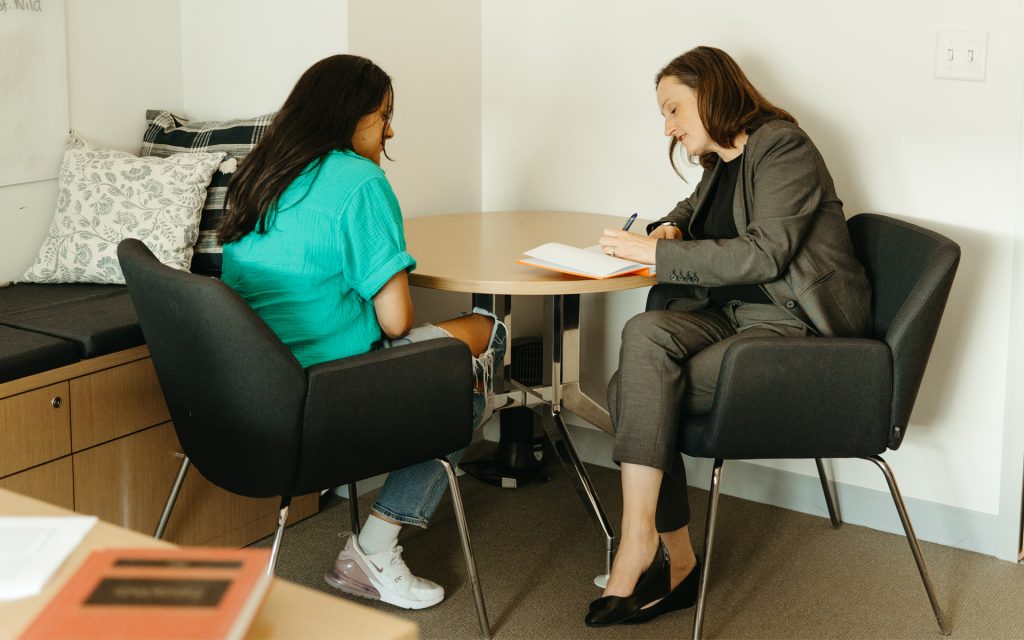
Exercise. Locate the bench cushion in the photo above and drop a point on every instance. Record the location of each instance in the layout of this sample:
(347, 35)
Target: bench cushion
(24, 353)
(24, 295)
(99, 319)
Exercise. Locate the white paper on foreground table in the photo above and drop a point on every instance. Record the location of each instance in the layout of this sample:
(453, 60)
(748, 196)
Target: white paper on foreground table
(33, 548)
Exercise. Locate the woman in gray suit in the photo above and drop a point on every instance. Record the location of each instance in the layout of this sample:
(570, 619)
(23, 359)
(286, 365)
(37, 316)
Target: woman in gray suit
(762, 248)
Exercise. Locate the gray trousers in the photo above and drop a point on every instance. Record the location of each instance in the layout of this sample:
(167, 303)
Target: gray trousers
(668, 368)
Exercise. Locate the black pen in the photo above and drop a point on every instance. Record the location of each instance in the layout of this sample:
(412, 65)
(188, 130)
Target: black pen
(629, 222)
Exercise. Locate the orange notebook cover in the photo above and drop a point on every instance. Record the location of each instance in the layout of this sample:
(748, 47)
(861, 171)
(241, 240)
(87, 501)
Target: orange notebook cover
(198, 592)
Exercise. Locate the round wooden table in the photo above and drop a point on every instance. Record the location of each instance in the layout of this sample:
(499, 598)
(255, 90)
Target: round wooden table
(477, 252)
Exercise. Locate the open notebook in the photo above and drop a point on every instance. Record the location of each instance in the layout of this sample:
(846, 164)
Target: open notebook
(586, 263)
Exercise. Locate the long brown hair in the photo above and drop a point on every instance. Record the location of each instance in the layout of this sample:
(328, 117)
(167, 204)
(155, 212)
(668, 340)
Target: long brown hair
(319, 116)
(728, 104)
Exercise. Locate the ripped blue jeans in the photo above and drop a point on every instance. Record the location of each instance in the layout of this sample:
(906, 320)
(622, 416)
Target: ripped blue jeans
(411, 495)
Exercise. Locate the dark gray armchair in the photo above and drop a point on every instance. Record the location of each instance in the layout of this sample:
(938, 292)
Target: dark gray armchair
(255, 423)
(832, 397)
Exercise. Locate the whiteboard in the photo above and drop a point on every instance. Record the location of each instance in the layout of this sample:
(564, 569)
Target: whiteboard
(33, 90)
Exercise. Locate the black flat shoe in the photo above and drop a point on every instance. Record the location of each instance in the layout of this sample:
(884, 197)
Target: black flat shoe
(683, 596)
(652, 584)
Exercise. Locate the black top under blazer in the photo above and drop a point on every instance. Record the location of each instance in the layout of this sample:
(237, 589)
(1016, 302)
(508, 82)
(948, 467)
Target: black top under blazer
(792, 238)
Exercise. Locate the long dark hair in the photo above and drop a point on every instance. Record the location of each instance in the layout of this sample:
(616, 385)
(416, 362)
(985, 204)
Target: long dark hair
(728, 104)
(319, 116)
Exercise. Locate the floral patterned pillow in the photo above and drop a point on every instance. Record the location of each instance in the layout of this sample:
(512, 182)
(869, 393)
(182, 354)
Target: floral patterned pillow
(105, 196)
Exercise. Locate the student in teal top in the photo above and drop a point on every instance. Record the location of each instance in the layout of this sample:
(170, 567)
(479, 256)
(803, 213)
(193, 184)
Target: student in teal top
(314, 242)
(334, 240)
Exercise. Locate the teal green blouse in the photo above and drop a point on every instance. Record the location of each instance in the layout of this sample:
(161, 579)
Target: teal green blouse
(333, 240)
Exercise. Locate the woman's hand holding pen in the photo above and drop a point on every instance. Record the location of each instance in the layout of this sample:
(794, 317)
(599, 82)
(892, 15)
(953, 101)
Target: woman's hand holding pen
(620, 243)
(628, 246)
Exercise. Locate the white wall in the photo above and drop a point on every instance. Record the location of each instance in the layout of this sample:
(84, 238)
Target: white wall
(240, 58)
(570, 123)
(431, 50)
(123, 57)
(1012, 467)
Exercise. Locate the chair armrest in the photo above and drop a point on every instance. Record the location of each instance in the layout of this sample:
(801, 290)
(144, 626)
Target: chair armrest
(385, 410)
(799, 397)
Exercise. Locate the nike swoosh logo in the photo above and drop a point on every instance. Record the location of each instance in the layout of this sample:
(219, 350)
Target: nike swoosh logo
(379, 569)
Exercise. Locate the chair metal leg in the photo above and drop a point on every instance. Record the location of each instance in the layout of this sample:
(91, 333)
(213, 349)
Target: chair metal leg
(353, 507)
(709, 538)
(467, 549)
(275, 548)
(915, 548)
(165, 517)
(826, 488)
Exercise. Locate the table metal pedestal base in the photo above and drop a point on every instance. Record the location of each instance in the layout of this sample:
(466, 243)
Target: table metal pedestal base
(561, 442)
(562, 340)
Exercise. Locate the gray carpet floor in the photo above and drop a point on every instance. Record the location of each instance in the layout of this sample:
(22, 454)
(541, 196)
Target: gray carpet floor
(775, 573)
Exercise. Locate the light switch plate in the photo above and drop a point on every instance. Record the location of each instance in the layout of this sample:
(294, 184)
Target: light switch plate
(961, 55)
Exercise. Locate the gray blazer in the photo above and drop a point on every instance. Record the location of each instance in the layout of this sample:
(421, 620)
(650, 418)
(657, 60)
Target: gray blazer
(792, 239)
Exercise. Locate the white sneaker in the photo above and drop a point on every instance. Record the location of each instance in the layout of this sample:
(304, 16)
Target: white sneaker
(382, 576)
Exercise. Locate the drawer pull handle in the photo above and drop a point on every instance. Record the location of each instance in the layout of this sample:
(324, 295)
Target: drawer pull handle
(56, 402)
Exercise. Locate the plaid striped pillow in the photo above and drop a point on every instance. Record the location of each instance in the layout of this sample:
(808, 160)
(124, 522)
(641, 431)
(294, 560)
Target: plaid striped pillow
(167, 134)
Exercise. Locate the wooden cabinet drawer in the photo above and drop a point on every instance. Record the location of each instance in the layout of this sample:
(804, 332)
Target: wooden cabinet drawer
(50, 482)
(34, 428)
(115, 402)
(107, 448)
(126, 481)
(146, 463)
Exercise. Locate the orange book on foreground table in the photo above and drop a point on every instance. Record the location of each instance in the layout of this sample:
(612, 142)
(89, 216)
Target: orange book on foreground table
(198, 592)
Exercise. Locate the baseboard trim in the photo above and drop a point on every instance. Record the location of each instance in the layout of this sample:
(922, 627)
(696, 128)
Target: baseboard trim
(933, 522)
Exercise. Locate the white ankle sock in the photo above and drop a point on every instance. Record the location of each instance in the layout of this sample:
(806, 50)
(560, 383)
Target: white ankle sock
(378, 535)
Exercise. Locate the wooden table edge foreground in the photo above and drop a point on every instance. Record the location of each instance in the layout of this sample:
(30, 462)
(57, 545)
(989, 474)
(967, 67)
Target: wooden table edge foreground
(289, 611)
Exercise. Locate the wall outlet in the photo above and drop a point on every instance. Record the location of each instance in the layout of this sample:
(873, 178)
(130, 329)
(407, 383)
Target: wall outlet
(961, 55)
